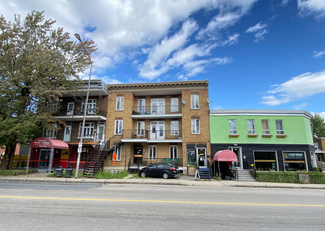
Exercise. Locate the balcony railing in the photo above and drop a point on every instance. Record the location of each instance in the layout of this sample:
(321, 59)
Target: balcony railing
(152, 134)
(80, 112)
(156, 110)
(148, 161)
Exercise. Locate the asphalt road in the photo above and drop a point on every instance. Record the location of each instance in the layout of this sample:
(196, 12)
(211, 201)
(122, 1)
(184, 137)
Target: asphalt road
(31, 206)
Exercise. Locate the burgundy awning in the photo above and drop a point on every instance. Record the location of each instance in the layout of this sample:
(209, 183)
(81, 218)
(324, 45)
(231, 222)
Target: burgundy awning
(43, 142)
(225, 155)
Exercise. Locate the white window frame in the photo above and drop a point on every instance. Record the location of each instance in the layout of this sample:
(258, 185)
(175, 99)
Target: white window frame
(140, 128)
(91, 105)
(266, 132)
(50, 132)
(174, 104)
(70, 111)
(141, 105)
(279, 132)
(232, 131)
(252, 130)
(88, 130)
(118, 124)
(150, 153)
(195, 101)
(172, 149)
(102, 138)
(119, 103)
(54, 106)
(195, 126)
(118, 153)
(174, 125)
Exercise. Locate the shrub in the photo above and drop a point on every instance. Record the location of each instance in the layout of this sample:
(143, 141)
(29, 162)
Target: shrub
(290, 177)
(111, 175)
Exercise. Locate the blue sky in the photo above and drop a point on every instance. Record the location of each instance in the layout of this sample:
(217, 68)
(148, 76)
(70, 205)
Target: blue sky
(256, 54)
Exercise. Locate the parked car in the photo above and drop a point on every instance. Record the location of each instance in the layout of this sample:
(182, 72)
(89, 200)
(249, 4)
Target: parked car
(159, 170)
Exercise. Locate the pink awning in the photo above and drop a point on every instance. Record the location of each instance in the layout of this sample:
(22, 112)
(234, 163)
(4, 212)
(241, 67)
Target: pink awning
(225, 155)
(43, 142)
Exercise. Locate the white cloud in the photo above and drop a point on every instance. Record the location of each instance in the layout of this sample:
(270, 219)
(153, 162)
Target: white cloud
(318, 54)
(110, 80)
(216, 107)
(285, 2)
(300, 106)
(316, 7)
(259, 31)
(298, 87)
(322, 114)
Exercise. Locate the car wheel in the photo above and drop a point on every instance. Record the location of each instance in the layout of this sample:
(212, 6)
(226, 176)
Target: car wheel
(143, 174)
(165, 175)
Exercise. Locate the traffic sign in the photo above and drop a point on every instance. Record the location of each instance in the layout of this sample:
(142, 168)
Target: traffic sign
(80, 145)
(113, 162)
(79, 150)
(114, 156)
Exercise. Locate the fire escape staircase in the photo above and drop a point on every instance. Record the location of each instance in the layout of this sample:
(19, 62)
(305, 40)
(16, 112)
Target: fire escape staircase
(98, 155)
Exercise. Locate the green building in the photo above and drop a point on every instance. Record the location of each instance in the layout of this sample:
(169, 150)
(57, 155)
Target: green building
(279, 140)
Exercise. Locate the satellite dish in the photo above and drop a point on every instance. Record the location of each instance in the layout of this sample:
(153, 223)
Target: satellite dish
(209, 101)
(183, 101)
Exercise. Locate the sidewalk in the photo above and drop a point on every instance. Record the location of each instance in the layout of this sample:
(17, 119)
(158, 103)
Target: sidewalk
(182, 181)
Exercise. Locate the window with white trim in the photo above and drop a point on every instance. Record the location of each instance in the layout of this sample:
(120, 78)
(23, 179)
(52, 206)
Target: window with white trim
(174, 105)
(88, 130)
(50, 132)
(279, 127)
(232, 127)
(173, 151)
(118, 153)
(265, 127)
(54, 107)
(118, 127)
(141, 105)
(174, 128)
(251, 127)
(152, 152)
(140, 128)
(119, 103)
(195, 101)
(91, 106)
(195, 126)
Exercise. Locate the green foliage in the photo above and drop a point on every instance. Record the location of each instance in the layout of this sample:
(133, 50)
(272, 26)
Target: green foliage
(110, 175)
(37, 64)
(15, 172)
(318, 125)
(290, 177)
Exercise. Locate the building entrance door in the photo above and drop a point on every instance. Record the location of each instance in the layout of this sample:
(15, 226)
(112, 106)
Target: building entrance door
(201, 156)
(67, 133)
(238, 152)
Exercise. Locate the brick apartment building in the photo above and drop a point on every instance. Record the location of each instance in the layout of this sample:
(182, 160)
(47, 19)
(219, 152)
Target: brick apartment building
(158, 122)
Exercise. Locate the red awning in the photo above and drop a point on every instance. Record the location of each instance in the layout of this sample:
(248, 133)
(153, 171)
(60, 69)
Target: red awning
(225, 155)
(43, 142)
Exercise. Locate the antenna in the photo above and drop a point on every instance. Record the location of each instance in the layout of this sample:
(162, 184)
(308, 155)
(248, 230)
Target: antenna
(209, 101)
(183, 101)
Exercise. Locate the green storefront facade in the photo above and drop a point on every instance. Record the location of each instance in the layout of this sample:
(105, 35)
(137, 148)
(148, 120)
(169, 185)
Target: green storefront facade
(279, 140)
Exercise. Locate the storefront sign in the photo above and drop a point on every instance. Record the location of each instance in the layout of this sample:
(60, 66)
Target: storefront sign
(64, 154)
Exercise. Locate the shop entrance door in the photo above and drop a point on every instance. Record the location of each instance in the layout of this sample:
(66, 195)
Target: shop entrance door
(201, 156)
(238, 152)
(44, 156)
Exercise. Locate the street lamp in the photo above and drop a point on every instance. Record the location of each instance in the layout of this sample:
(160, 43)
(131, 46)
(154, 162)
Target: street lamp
(85, 110)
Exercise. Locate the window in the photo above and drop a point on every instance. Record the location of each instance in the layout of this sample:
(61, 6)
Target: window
(141, 105)
(173, 151)
(294, 161)
(88, 130)
(251, 126)
(174, 105)
(232, 126)
(265, 127)
(118, 153)
(279, 127)
(70, 108)
(118, 127)
(101, 132)
(50, 132)
(152, 152)
(120, 103)
(174, 127)
(54, 107)
(194, 101)
(195, 126)
(265, 160)
(91, 106)
(140, 128)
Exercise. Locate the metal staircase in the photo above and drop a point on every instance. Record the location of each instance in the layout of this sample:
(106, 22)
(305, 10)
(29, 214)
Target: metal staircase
(97, 156)
(204, 173)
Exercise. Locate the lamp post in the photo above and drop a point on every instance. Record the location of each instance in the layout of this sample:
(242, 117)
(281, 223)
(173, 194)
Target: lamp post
(85, 111)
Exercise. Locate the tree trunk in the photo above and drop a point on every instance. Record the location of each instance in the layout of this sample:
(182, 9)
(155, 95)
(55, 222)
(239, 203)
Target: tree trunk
(8, 158)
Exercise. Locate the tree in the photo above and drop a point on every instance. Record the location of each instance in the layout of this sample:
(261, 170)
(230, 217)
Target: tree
(37, 64)
(318, 125)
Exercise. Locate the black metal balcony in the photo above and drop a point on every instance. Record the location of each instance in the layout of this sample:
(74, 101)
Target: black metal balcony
(156, 110)
(152, 134)
(80, 112)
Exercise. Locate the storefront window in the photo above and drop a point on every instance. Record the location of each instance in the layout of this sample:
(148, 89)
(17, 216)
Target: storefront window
(294, 161)
(265, 161)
